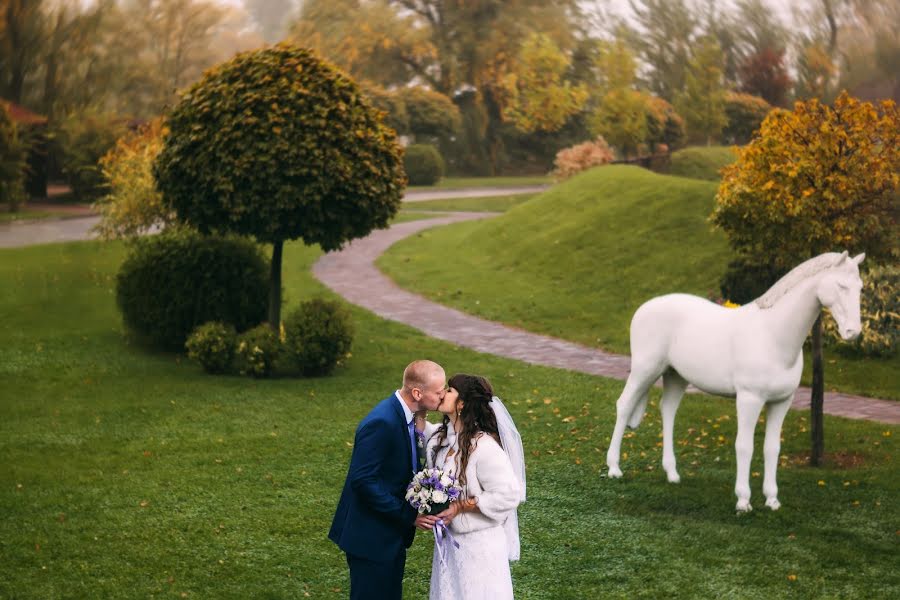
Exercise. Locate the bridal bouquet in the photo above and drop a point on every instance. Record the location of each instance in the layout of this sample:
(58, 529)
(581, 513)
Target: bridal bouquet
(431, 491)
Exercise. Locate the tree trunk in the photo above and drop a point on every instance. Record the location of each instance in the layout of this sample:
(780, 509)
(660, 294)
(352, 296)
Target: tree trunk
(275, 287)
(817, 400)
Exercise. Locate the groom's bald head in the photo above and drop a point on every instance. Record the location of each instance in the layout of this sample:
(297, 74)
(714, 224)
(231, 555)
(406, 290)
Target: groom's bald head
(421, 373)
(424, 382)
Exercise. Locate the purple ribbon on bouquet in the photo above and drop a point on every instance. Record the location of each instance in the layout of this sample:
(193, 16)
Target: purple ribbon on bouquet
(443, 536)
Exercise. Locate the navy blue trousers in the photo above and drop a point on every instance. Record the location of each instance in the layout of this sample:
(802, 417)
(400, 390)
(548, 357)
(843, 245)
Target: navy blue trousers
(370, 580)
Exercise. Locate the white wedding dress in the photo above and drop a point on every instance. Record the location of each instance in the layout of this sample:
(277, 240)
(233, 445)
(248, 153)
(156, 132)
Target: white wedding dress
(479, 568)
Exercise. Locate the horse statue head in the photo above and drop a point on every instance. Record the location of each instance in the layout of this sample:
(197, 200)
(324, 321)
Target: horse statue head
(839, 290)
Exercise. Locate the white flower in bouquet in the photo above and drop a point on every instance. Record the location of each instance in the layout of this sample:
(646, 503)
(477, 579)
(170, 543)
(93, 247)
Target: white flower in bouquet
(431, 490)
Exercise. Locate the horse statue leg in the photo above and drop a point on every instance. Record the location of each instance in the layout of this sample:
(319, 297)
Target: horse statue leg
(673, 390)
(629, 409)
(748, 408)
(775, 413)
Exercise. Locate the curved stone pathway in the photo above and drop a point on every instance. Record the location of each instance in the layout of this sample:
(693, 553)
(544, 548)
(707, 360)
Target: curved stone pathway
(352, 274)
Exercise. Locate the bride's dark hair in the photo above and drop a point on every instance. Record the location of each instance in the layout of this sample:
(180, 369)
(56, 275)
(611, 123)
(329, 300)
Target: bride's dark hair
(475, 418)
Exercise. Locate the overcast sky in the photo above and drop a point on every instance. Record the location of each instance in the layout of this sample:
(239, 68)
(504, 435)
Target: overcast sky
(780, 7)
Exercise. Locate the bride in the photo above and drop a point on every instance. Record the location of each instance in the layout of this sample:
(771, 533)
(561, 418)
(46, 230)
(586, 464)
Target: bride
(479, 444)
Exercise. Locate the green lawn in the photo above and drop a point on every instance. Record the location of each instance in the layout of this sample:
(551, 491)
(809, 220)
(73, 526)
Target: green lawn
(8, 217)
(701, 162)
(486, 204)
(454, 183)
(130, 474)
(576, 261)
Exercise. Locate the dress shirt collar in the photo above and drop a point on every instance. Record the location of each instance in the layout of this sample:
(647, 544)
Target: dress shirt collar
(407, 413)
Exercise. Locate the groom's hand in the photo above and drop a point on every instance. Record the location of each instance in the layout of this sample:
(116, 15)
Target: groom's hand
(426, 522)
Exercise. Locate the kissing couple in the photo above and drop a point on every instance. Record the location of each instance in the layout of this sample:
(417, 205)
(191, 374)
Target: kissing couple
(478, 444)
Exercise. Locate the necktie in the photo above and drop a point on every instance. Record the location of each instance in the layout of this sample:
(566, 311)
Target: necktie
(412, 443)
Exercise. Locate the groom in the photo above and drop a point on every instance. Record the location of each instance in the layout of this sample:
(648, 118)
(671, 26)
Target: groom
(374, 524)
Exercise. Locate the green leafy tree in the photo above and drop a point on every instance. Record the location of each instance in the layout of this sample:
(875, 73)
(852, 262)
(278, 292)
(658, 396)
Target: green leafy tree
(279, 145)
(816, 179)
(13, 153)
(744, 113)
(538, 98)
(620, 116)
(621, 119)
(702, 103)
(462, 49)
(815, 70)
(664, 124)
(663, 34)
(21, 44)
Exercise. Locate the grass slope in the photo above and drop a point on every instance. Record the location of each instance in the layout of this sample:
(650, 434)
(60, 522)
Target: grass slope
(701, 162)
(127, 474)
(576, 261)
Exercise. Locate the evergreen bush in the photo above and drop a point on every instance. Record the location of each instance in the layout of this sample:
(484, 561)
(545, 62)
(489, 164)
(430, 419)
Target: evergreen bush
(424, 164)
(318, 335)
(173, 282)
(212, 345)
(258, 349)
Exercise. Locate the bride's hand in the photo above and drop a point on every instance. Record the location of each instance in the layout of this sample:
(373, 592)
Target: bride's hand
(450, 513)
(425, 522)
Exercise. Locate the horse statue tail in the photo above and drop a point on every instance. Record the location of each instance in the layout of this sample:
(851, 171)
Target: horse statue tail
(637, 414)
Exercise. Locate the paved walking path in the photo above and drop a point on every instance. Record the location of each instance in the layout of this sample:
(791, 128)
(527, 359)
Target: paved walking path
(352, 274)
(51, 231)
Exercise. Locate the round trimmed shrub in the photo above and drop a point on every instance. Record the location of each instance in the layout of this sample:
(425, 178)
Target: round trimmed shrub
(880, 315)
(318, 335)
(173, 282)
(212, 345)
(258, 350)
(424, 164)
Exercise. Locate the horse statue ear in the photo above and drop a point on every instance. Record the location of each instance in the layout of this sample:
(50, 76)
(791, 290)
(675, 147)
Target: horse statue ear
(844, 256)
(859, 258)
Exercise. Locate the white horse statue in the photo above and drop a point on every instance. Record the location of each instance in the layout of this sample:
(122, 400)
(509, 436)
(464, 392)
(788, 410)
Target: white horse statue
(752, 353)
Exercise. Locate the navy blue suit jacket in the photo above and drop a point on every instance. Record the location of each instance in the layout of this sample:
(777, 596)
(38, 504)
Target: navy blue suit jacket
(373, 519)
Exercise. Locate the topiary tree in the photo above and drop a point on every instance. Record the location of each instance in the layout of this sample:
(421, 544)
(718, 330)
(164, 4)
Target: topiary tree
(280, 145)
(744, 114)
(816, 179)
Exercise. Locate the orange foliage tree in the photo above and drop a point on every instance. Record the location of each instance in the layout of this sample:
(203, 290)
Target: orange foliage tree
(817, 179)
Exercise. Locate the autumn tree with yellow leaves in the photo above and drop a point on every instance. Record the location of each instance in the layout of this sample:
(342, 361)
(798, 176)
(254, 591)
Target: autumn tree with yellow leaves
(537, 96)
(817, 179)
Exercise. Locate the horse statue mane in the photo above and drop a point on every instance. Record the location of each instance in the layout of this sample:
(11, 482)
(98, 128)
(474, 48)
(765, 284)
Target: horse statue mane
(798, 274)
